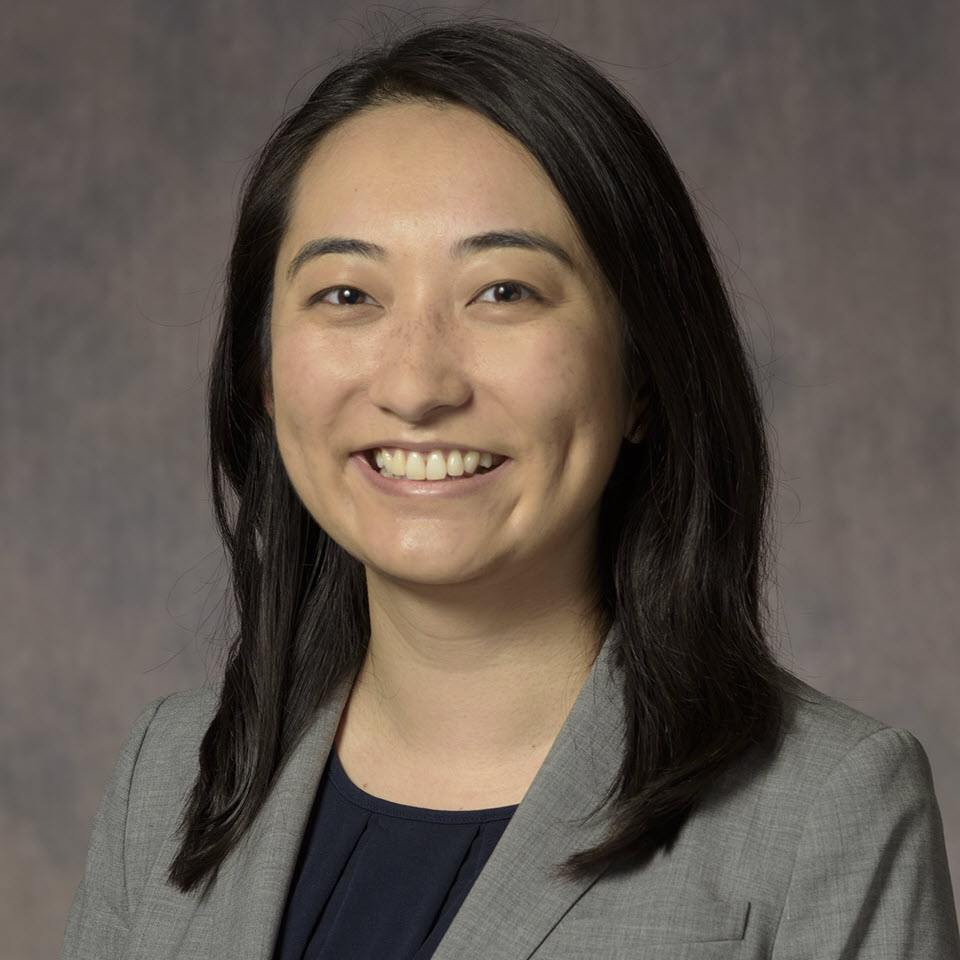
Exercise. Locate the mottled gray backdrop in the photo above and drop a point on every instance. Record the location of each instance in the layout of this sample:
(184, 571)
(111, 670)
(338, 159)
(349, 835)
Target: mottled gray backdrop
(820, 138)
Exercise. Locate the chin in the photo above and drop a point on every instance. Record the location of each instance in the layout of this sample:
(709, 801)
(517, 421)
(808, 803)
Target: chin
(431, 568)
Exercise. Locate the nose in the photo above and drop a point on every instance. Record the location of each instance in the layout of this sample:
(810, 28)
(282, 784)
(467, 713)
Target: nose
(421, 368)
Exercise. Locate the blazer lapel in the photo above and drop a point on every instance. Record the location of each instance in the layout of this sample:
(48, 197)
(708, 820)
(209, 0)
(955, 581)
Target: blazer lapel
(516, 901)
(252, 888)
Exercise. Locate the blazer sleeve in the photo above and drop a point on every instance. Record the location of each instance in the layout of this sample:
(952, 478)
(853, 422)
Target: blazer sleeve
(870, 878)
(99, 918)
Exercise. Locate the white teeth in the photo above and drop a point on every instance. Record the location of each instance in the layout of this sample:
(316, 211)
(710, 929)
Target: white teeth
(431, 466)
(436, 465)
(455, 464)
(416, 468)
(397, 464)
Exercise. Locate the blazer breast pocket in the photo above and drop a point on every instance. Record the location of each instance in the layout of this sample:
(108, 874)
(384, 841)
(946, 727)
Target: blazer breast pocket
(666, 930)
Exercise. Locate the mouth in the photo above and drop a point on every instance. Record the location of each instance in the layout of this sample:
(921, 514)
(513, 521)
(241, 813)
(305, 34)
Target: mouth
(437, 466)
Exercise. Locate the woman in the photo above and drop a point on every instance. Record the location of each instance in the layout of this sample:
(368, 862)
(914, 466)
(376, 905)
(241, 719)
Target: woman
(489, 463)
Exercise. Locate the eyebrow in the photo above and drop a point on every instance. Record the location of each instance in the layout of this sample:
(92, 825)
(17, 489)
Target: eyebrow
(478, 243)
(525, 239)
(325, 245)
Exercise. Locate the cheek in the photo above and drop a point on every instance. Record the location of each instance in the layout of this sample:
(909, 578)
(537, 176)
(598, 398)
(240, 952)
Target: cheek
(304, 388)
(565, 385)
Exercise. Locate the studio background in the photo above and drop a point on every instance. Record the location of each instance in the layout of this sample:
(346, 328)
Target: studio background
(821, 141)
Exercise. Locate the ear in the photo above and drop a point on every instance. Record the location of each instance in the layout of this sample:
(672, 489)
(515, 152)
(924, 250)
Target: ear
(268, 396)
(639, 416)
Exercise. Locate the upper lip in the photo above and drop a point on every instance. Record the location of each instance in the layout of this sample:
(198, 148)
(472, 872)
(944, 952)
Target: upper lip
(427, 447)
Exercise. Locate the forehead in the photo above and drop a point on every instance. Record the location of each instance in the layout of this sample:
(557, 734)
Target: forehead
(424, 170)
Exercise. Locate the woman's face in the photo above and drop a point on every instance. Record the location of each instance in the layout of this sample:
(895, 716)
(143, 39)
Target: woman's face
(431, 289)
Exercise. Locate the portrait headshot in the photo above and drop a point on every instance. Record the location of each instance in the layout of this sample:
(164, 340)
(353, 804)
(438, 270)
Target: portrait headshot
(485, 483)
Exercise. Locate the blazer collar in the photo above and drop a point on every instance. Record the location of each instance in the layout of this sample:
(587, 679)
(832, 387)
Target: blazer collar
(516, 900)
(250, 893)
(517, 885)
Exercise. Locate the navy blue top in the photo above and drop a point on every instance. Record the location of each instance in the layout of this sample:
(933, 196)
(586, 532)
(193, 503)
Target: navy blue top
(377, 880)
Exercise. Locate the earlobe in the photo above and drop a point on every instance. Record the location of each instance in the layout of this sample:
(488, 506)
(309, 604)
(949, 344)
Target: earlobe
(639, 418)
(635, 434)
(268, 400)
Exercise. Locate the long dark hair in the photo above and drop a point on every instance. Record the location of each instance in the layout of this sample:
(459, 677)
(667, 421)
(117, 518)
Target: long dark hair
(683, 539)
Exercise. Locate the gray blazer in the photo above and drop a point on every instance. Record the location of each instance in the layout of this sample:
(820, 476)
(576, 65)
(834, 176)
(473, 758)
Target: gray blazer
(832, 849)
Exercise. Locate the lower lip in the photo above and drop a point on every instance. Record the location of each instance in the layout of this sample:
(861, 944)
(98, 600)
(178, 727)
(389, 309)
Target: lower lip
(460, 487)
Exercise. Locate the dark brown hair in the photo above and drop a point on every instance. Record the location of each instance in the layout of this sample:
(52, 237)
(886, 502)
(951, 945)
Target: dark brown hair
(683, 539)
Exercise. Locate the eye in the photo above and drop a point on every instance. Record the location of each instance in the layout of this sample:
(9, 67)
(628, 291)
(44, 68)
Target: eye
(341, 297)
(508, 291)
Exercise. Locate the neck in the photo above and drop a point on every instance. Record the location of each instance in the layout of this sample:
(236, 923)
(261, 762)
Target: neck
(472, 677)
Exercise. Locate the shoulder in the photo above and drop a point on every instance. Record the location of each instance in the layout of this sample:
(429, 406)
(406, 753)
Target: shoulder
(173, 727)
(853, 774)
(849, 806)
(135, 829)
(824, 746)
(165, 738)
(159, 764)
(164, 742)
(835, 776)
(834, 792)
(839, 814)
(825, 740)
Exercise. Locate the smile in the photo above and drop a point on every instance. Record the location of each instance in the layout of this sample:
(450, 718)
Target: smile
(433, 465)
(466, 484)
